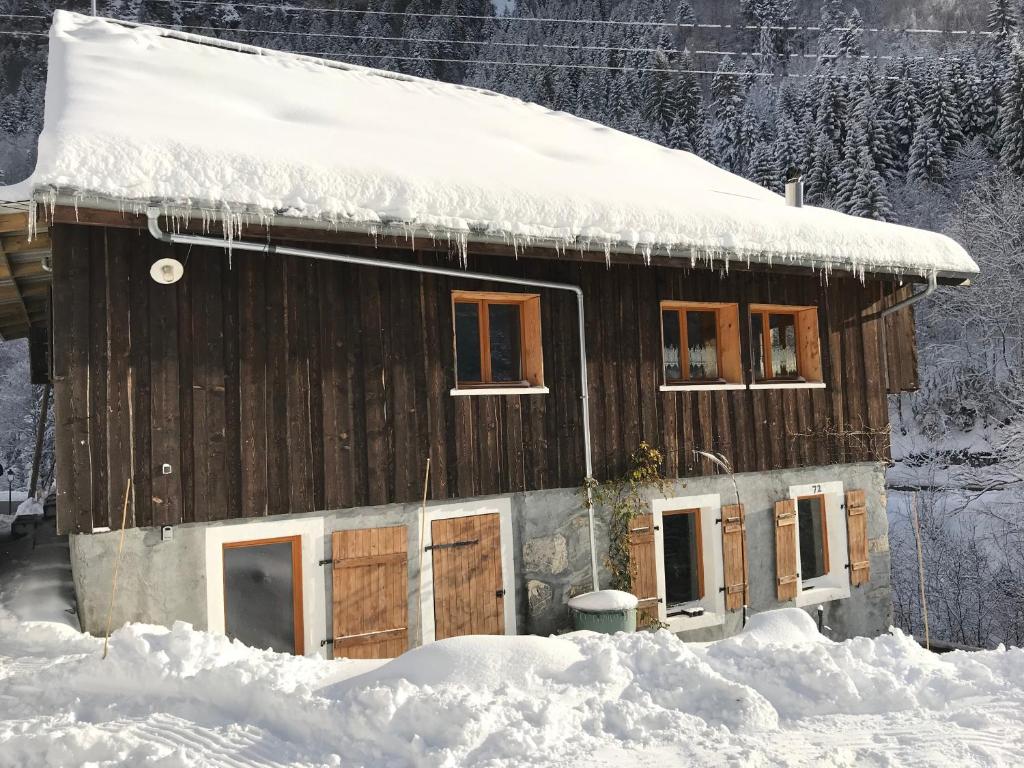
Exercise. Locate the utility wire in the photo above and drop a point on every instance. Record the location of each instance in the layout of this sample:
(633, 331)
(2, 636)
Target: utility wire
(542, 46)
(605, 22)
(554, 65)
(560, 46)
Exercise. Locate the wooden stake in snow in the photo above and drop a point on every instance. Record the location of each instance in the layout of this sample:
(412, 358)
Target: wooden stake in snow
(920, 570)
(423, 525)
(117, 565)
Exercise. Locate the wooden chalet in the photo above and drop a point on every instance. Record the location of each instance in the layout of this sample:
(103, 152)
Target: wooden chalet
(256, 396)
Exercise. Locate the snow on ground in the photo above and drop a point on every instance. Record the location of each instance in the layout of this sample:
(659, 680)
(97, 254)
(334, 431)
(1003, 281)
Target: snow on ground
(779, 694)
(298, 137)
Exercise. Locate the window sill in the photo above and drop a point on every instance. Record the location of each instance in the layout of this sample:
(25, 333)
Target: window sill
(456, 392)
(790, 385)
(821, 595)
(690, 623)
(700, 387)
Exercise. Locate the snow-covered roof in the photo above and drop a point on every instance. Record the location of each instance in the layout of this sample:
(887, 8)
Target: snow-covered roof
(137, 114)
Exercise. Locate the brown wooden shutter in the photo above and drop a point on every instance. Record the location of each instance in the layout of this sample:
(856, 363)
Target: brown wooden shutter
(644, 567)
(734, 556)
(857, 536)
(371, 593)
(786, 577)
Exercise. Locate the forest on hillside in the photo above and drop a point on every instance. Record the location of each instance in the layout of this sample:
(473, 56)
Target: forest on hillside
(908, 111)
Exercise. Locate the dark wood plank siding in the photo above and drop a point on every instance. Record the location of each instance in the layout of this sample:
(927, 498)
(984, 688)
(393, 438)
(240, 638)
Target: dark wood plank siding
(274, 385)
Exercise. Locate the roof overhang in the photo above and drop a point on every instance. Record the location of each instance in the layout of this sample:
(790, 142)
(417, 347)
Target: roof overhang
(24, 271)
(253, 222)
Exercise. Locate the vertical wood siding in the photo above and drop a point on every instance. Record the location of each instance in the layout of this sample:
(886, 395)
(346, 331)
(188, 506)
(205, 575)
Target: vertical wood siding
(276, 385)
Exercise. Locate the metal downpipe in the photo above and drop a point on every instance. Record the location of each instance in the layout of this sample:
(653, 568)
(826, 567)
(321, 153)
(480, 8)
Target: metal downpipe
(153, 219)
(933, 284)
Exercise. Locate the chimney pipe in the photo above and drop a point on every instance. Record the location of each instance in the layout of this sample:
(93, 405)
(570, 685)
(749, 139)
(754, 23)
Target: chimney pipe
(794, 188)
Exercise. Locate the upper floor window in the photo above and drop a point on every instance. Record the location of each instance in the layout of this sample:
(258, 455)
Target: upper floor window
(784, 343)
(700, 343)
(497, 339)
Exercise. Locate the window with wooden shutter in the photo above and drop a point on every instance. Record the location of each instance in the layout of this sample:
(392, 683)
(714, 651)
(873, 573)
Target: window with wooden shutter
(734, 556)
(370, 593)
(497, 339)
(857, 537)
(786, 576)
(644, 567)
(784, 344)
(700, 343)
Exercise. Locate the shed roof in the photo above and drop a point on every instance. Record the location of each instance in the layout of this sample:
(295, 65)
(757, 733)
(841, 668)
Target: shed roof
(137, 115)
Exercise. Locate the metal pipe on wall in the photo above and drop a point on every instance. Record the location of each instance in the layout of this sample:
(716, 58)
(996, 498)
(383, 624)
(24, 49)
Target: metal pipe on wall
(153, 219)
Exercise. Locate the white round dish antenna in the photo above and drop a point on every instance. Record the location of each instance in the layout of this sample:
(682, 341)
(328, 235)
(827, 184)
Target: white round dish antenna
(167, 271)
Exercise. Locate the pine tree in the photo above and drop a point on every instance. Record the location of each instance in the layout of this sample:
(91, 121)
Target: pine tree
(622, 109)
(830, 114)
(787, 149)
(869, 197)
(927, 162)
(1011, 117)
(822, 174)
(1002, 23)
(728, 102)
(851, 40)
(941, 106)
(831, 19)
(904, 105)
(764, 167)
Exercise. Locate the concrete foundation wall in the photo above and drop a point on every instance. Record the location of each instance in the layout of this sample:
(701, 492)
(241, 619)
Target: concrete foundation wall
(164, 581)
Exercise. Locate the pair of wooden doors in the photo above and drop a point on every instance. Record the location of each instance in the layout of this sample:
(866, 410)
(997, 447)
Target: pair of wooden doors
(371, 588)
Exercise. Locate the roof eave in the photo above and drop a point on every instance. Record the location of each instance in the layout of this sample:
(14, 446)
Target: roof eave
(252, 215)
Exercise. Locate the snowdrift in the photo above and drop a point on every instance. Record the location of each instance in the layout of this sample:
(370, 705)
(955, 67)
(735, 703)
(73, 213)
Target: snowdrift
(779, 693)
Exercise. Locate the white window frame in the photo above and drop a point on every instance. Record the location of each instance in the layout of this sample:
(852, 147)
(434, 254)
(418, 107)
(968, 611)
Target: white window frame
(503, 508)
(314, 594)
(834, 585)
(713, 602)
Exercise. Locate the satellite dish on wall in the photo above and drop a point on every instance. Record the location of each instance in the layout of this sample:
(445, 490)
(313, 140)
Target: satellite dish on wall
(167, 271)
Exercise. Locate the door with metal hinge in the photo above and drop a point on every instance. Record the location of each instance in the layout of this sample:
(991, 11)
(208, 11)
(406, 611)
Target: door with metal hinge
(370, 569)
(469, 594)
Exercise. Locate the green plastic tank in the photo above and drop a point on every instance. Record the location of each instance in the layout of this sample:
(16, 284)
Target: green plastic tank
(606, 611)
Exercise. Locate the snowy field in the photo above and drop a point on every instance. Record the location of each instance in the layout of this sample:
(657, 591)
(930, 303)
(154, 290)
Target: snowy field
(779, 694)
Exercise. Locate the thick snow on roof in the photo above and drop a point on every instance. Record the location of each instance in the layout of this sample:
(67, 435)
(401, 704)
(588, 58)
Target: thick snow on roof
(140, 114)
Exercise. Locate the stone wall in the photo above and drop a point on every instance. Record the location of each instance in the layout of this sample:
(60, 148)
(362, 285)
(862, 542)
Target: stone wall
(164, 581)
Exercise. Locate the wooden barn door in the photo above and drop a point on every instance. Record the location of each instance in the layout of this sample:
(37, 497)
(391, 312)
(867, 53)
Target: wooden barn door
(371, 593)
(469, 594)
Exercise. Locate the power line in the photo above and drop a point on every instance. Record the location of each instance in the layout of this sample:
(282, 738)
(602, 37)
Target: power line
(558, 46)
(600, 22)
(494, 62)
(552, 65)
(15, 33)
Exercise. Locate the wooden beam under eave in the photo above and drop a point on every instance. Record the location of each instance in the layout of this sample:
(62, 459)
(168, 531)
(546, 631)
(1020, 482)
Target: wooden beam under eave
(14, 222)
(6, 263)
(20, 243)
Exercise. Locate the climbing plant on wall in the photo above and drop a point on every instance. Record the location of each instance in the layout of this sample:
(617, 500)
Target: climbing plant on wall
(625, 498)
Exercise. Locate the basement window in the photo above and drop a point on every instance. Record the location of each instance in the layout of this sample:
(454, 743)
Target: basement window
(683, 559)
(700, 344)
(812, 530)
(784, 344)
(497, 341)
(263, 593)
(821, 543)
